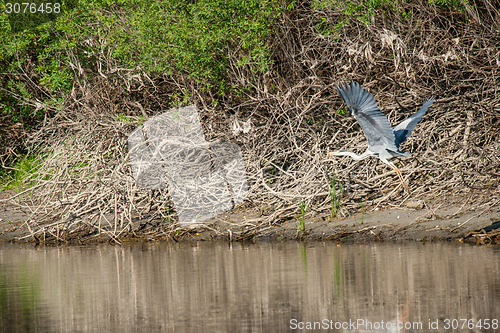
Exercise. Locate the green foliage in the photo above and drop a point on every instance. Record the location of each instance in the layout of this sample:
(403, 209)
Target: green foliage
(197, 39)
(30, 69)
(452, 4)
(302, 216)
(5, 178)
(124, 119)
(27, 16)
(342, 111)
(334, 199)
(25, 169)
(42, 56)
(361, 10)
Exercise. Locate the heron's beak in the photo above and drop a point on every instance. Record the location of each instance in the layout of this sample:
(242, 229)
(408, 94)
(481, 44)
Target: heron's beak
(333, 153)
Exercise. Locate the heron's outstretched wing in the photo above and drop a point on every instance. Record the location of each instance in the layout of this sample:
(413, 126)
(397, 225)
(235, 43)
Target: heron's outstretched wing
(404, 129)
(363, 107)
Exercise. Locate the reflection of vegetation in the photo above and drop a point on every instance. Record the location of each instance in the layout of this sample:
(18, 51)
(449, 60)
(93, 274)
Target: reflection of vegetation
(337, 275)
(303, 253)
(20, 302)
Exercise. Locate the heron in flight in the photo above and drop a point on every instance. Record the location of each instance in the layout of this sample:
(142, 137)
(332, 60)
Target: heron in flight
(383, 140)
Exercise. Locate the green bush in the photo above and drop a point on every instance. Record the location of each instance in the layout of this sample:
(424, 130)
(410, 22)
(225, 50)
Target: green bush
(196, 39)
(43, 58)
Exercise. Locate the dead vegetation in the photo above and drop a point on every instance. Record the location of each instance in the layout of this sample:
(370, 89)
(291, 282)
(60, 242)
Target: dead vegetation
(84, 188)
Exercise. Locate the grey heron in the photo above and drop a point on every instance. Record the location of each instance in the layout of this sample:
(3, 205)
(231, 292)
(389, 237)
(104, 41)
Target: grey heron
(383, 140)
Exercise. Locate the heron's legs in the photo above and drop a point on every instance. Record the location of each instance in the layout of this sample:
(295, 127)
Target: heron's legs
(398, 172)
(355, 157)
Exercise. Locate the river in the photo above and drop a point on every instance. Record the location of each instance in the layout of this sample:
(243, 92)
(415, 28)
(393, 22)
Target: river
(262, 287)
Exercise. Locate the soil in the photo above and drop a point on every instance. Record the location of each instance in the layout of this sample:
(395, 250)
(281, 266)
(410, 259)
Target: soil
(412, 223)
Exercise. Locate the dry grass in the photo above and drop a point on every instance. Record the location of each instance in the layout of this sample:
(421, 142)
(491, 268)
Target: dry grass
(85, 190)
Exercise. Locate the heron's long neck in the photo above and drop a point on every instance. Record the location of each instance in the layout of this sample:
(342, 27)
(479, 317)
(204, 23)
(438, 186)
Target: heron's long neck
(354, 156)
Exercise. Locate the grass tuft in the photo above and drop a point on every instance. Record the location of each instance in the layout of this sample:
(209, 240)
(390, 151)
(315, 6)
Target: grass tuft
(301, 218)
(334, 199)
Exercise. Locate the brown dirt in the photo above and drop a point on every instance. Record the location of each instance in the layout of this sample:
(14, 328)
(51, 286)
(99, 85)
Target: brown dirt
(12, 218)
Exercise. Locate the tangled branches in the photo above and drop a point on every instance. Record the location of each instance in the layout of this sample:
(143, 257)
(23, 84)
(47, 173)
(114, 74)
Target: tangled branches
(84, 185)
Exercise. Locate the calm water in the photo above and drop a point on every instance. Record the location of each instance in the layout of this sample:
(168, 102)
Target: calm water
(206, 287)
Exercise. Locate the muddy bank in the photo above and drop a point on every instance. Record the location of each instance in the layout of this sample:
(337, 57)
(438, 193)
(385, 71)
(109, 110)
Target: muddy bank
(403, 224)
(382, 225)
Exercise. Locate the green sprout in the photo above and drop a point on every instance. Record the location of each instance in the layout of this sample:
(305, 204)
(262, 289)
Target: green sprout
(334, 199)
(301, 218)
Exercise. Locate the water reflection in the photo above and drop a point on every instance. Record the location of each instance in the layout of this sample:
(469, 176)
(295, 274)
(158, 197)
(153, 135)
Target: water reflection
(208, 287)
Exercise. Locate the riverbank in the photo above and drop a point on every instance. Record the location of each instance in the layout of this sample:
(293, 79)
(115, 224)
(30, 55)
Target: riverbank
(262, 80)
(410, 223)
